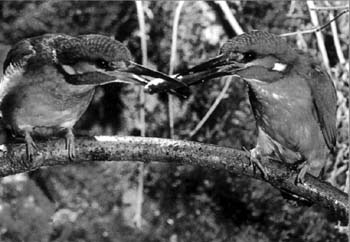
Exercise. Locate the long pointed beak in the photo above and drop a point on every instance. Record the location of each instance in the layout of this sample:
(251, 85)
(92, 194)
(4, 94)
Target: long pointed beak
(213, 62)
(135, 73)
(218, 66)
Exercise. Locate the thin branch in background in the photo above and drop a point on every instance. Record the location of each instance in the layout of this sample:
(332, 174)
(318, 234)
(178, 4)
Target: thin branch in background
(230, 17)
(336, 36)
(238, 30)
(315, 29)
(336, 40)
(330, 8)
(301, 42)
(291, 8)
(141, 166)
(319, 36)
(172, 65)
(213, 107)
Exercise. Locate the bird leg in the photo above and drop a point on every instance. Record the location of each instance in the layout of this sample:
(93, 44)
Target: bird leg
(255, 157)
(70, 144)
(300, 179)
(264, 147)
(30, 145)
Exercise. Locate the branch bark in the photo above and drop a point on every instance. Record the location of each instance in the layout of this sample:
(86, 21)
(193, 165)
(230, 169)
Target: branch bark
(107, 148)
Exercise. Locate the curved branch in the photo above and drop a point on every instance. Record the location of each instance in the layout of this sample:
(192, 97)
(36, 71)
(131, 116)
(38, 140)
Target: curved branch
(317, 28)
(106, 148)
(329, 8)
(212, 108)
(230, 17)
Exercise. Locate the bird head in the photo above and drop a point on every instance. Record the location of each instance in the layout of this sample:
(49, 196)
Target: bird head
(255, 55)
(97, 56)
(84, 60)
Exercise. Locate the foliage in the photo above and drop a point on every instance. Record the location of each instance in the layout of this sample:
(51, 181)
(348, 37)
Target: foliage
(96, 202)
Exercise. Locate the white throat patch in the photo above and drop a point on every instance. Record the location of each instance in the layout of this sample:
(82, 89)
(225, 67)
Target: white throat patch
(69, 69)
(279, 67)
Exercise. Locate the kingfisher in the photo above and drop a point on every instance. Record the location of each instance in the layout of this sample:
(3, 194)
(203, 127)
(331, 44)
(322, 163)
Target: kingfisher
(49, 81)
(292, 99)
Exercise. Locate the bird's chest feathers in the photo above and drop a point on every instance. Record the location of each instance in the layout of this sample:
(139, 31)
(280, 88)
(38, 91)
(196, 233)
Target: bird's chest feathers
(44, 99)
(53, 81)
(279, 101)
(281, 107)
(287, 93)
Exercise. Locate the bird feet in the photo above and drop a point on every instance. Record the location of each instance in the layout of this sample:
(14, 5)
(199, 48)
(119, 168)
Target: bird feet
(300, 179)
(30, 146)
(70, 144)
(255, 162)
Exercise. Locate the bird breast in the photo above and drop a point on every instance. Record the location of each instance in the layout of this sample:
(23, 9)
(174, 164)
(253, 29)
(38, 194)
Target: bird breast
(36, 101)
(283, 109)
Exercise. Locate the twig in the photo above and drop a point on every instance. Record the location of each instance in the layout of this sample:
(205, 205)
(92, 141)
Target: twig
(213, 106)
(319, 36)
(238, 30)
(172, 65)
(142, 97)
(319, 8)
(315, 29)
(230, 17)
(291, 8)
(180, 4)
(88, 150)
(336, 38)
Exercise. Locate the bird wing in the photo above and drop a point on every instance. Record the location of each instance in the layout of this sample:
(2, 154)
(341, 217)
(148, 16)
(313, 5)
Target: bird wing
(13, 65)
(325, 102)
(35, 51)
(18, 55)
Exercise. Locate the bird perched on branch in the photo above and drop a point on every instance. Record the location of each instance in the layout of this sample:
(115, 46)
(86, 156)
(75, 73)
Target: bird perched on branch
(50, 80)
(293, 101)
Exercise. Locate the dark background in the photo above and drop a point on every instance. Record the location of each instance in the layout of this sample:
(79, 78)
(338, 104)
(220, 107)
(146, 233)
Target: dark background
(97, 202)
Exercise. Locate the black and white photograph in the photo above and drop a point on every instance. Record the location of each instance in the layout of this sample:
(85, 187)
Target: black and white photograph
(174, 121)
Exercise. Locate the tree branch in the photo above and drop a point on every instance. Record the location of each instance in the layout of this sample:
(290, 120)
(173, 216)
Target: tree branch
(212, 108)
(317, 28)
(107, 148)
(329, 8)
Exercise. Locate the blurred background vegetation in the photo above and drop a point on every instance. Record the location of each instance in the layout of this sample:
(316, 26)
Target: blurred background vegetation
(97, 202)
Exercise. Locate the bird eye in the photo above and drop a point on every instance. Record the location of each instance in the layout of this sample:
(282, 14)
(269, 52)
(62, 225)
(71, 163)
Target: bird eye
(102, 64)
(249, 56)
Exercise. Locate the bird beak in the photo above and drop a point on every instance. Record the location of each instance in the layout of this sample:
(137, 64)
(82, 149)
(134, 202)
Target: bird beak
(138, 74)
(221, 65)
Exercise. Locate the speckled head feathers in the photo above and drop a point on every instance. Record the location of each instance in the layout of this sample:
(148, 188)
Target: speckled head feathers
(92, 47)
(64, 49)
(111, 49)
(260, 42)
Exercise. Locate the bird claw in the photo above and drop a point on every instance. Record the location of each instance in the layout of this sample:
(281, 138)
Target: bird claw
(71, 152)
(30, 147)
(255, 162)
(300, 179)
(70, 145)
